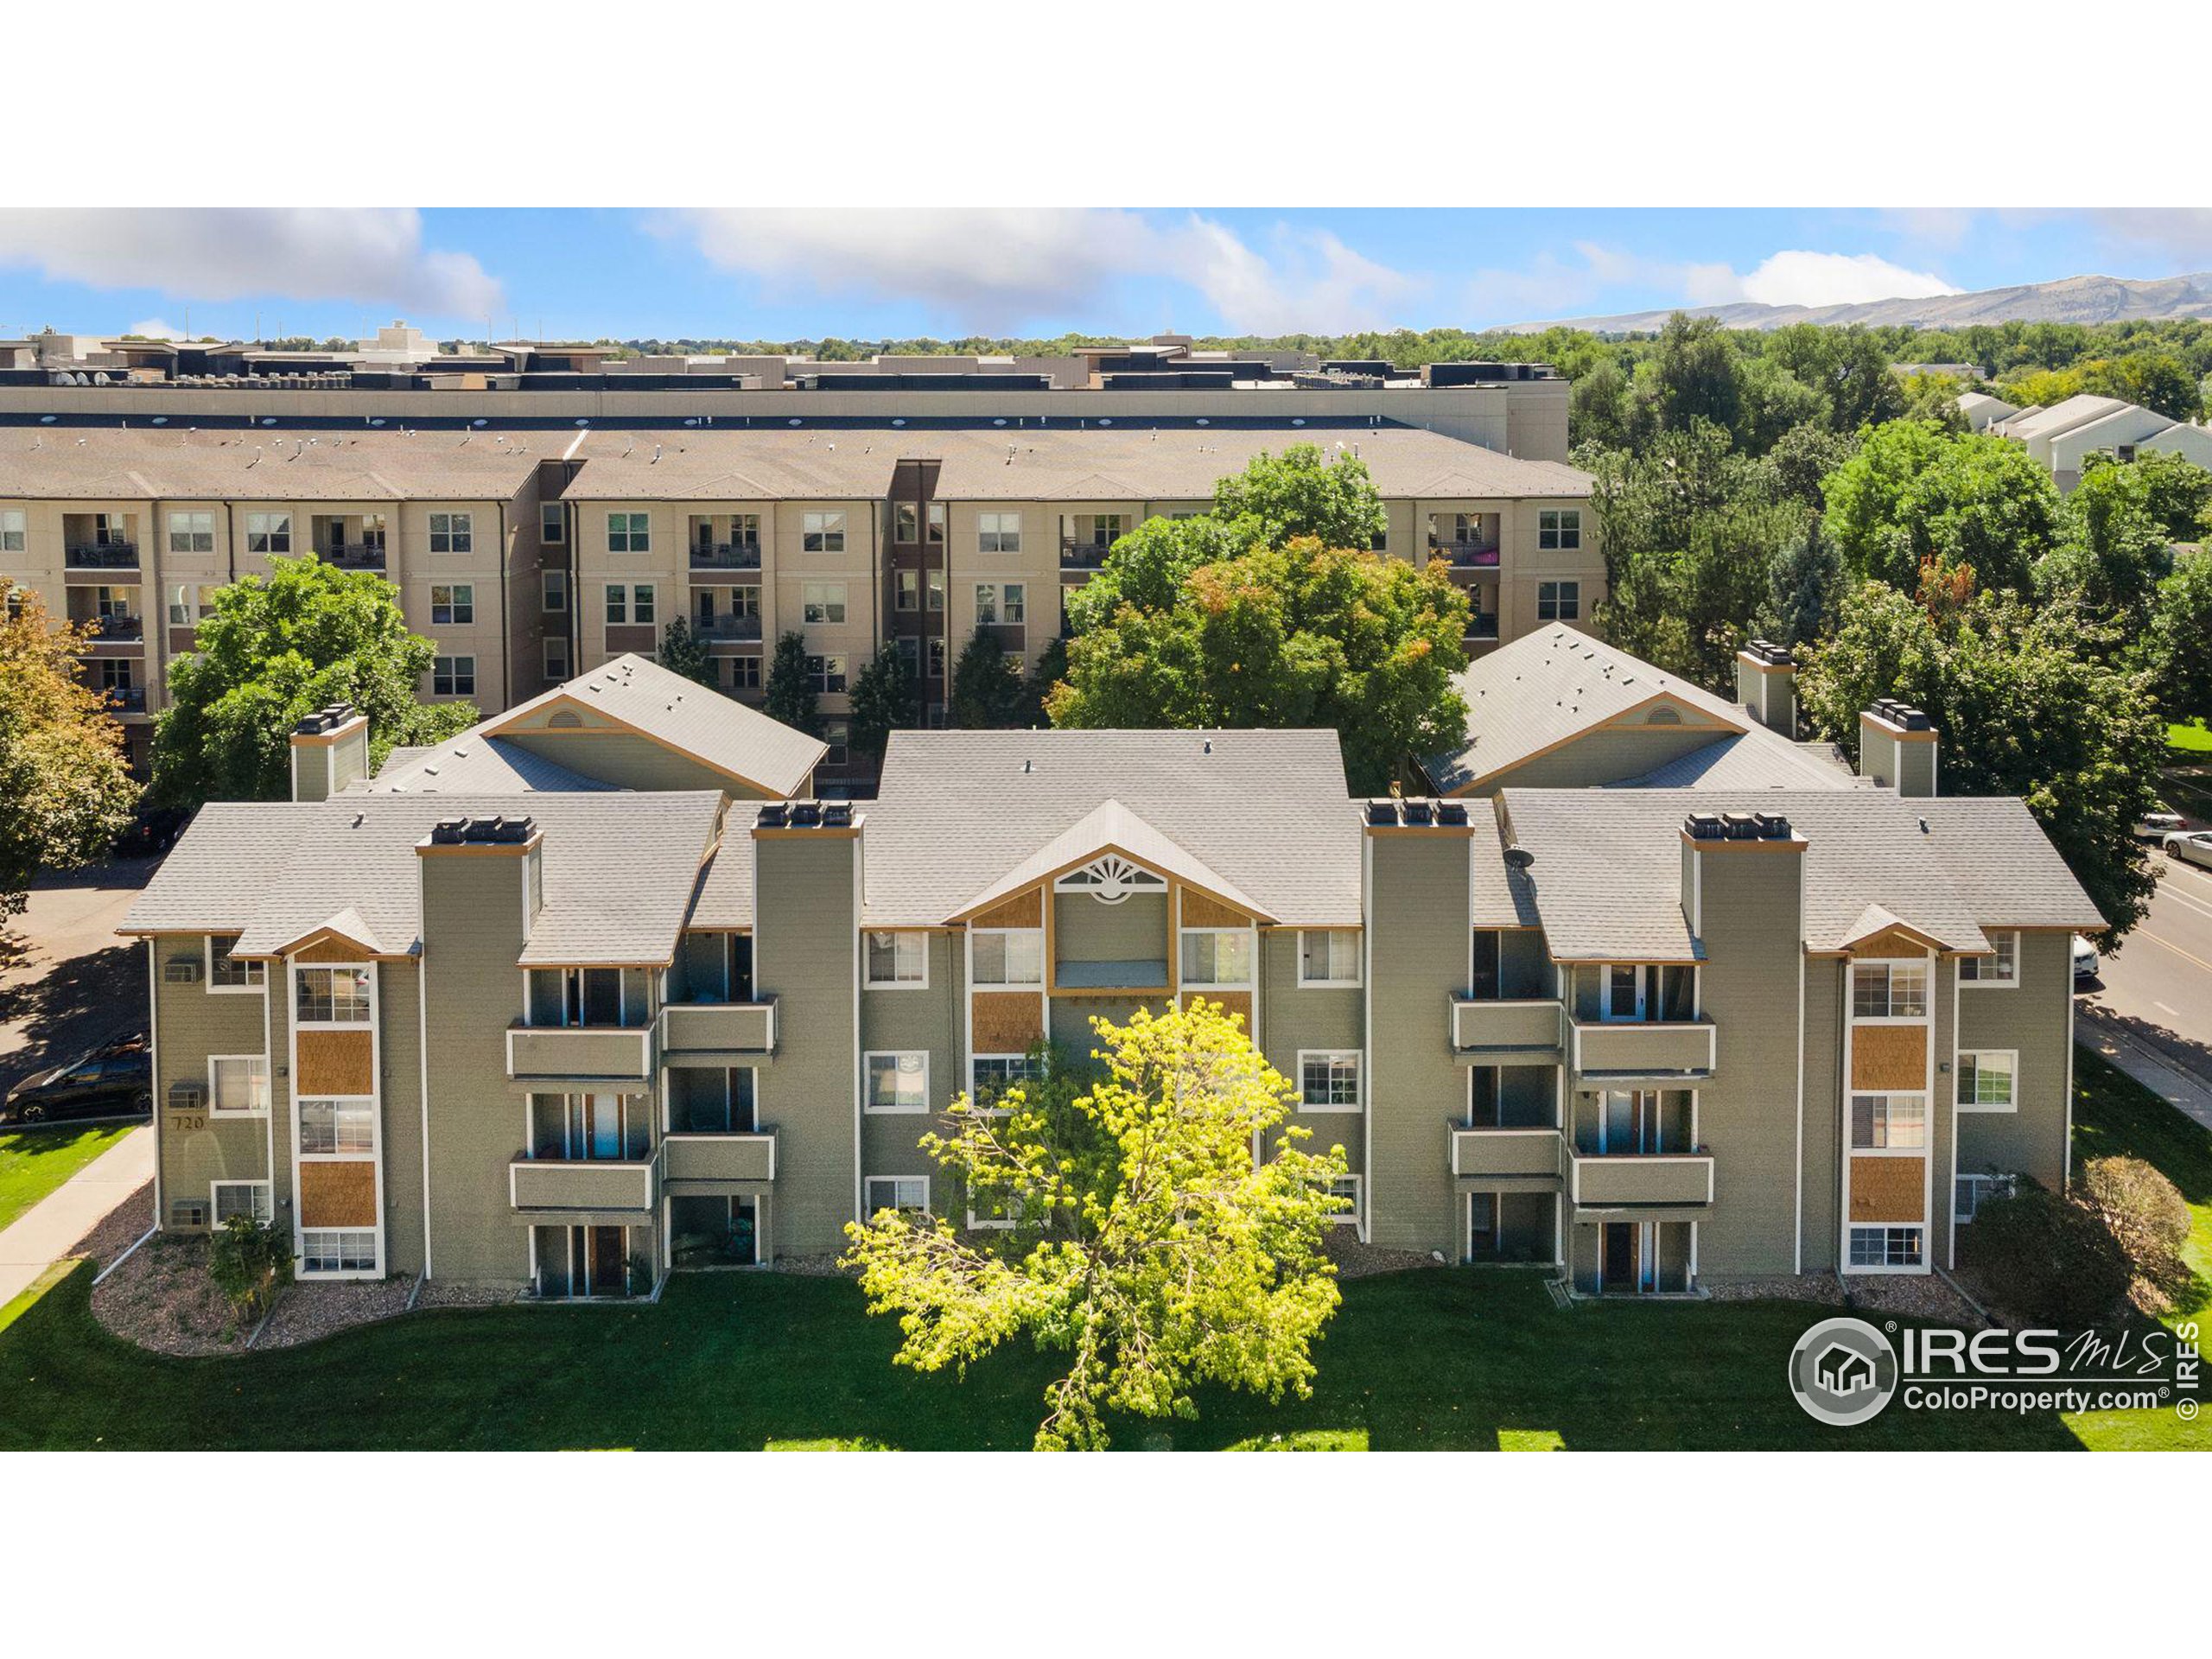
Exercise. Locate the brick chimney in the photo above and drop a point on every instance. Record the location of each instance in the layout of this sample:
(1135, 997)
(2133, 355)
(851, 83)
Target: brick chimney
(1896, 747)
(1766, 683)
(330, 749)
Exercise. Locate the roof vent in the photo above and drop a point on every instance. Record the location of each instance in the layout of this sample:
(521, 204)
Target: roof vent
(1771, 654)
(1382, 812)
(837, 815)
(1519, 856)
(771, 816)
(806, 815)
(496, 831)
(328, 718)
(1740, 826)
(1453, 813)
(1898, 712)
(1704, 826)
(1419, 815)
(1772, 826)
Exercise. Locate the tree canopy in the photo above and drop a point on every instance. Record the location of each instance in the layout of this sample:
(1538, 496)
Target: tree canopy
(1140, 1235)
(788, 693)
(885, 699)
(683, 651)
(66, 788)
(275, 649)
(987, 686)
(1914, 492)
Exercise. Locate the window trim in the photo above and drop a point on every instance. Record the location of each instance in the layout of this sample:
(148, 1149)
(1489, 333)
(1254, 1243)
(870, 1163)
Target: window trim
(899, 935)
(815, 595)
(270, 527)
(1350, 1217)
(262, 1208)
(553, 592)
(635, 526)
(1889, 965)
(374, 1235)
(1251, 981)
(455, 605)
(991, 532)
(1560, 603)
(868, 1107)
(974, 1060)
(1890, 1146)
(819, 527)
(215, 1107)
(1565, 522)
(253, 987)
(1358, 976)
(1977, 982)
(1852, 1231)
(975, 933)
(867, 1181)
(301, 969)
(1959, 1078)
(1359, 1063)
(2005, 1184)
(366, 1106)
(460, 539)
(453, 674)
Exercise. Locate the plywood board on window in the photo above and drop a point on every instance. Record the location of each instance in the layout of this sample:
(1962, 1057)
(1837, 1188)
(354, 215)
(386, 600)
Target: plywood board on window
(1887, 1189)
(1236, 1002)
(1007, 1022)
(1889, 1057)
(335, 1063)
(338, 1194)
(1023, 910)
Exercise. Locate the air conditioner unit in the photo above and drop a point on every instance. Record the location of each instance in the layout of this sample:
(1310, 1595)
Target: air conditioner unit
(183, 970)
(188, 1097)
(187, 1214)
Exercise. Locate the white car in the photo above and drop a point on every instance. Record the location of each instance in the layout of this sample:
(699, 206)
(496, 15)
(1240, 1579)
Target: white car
(2192, 846)
(2157, 826)
(2086, 964)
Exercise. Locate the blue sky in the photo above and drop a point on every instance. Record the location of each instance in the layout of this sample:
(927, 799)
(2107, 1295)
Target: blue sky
(803, 273)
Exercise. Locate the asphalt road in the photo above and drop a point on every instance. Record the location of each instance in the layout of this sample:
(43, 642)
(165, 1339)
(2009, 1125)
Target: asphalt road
(2159, 984)
(66, 983)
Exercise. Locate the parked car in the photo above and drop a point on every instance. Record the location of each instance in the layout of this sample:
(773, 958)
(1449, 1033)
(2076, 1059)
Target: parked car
(2192, 846)
(154, 831)
(115, 1080)
(2086, 963)
(2157, 826)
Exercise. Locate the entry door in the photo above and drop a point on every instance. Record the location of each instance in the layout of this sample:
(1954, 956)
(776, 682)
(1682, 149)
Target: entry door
(1482, 1224)
(1616, 1123)
(1619, 1269)
(1624, 992)
(608, 1267)
(741, 967)
(602, 1126)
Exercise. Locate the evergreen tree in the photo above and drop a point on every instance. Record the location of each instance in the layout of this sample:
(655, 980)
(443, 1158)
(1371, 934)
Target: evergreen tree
(986, 687)
(886, 699)
(789, 693)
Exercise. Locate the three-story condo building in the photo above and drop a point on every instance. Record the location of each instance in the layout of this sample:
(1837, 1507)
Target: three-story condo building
(596, 991)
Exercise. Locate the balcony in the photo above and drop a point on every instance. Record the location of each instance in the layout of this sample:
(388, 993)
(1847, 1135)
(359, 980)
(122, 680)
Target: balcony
(1483, 628)
(110, 634)
(353, 556)
(126, 699)
(703, 1030)
(1083, 555)
(1496, 1029)
(713, 628)
(629, 1186)
(719, 1157)
(1660, 1052)
(1464, 556)
(102, 555)
(581, 1054)
(1532, 1160)
(1654, 1180)
(725, 555)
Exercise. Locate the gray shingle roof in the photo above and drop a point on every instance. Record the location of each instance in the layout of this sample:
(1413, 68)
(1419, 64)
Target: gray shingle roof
(1758, 760)
(1267, 810)
(177, 464)
(214, 875)
(1607, 875)
(470, 765)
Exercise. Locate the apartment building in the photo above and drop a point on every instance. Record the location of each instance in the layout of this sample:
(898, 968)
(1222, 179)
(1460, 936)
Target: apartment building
(2066, 434)
(596, 992)
(132, 531)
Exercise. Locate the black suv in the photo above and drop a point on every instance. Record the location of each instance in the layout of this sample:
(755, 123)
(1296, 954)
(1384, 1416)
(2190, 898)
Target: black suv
(113, 1081)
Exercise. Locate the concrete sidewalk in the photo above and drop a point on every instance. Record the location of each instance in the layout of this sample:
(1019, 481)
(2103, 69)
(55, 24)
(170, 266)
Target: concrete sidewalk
(2154, 1069)
(45, 1232)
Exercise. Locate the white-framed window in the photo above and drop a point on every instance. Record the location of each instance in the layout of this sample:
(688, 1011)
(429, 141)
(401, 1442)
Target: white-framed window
(453, 677)
(898, 1082)
(629, 532)
(998, 532)
(1558, 602)
(1006, 956)
(237, 1082)
(227, 974)
(13, 526)
(331, 1129)
(453, 604)
(184, 608)
(329, 1250)
(228, 1199)
(1348, 1188)
(452, 532)
(1888, 990)
(1969, 1193)
(899, 959)
(2002, 969)
(1888, 1122)
(557, 657)
(821, 602)
(1328, 956)
(1328, 1081)
(553, 592)
(1561, 529)
(908, 596)
(1216, 956)
(332, 996)
(1886, 1247)
(269, 532)
(825, 676)
(991, 1074)
(1003, 602)
(906, 522)
(192, 532)
(552, 524)
(907, 1193)
(1988, 1079)
(938, 520)
(933, 592)
(822, 532)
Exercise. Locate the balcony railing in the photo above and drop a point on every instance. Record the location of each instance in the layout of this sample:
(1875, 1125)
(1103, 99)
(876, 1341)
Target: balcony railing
(1665, 1051)
(719, 1157)
(103, 555)
(725, 555)
(353, 556)
(1464, 556)
(580, 1053)
(628, 1185)
(694, 1028)
(1534, 1158)
(1083, 555)
(726, 628)
(115, 630)
(1530, 1025)
(1639, 1179)
(127, 699)
(1482, 627)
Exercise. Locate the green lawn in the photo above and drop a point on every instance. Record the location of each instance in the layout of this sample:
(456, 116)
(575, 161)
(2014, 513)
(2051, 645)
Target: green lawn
(2193, 738)
(33, 1161)
(1470, 1360)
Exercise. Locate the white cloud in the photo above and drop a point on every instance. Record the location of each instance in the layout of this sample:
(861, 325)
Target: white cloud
(996, 270)
(1794, 277)
(156, 328)
(367, 255)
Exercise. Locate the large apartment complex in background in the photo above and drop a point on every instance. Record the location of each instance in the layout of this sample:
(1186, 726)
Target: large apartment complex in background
(532, 547)
(1648, 991)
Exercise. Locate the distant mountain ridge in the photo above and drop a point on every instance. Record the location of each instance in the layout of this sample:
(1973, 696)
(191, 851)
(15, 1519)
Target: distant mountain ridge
(2071, 299)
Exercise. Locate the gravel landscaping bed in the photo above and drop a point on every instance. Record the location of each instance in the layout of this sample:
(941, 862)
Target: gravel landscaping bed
(1920, 1297)
(810, 1267)
(441, 1292)
(1819, 1287)
(1357, 1261)
(163, 1298)
(125, 1225)
(304, 1312)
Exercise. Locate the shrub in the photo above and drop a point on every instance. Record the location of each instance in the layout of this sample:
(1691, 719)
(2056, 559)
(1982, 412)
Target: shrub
(2141, 1207)
(250, 1262)
(2049, 1259)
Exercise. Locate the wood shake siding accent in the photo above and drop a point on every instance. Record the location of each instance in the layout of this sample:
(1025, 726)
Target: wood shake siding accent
(336, 1062)
(1006, 1022)
(338, 1194)
(328, 951)
(1199, 910)
(1886, 1190)
(1023, 910)
(1890, 946)
(1236, 1002)
(1890, 1058)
